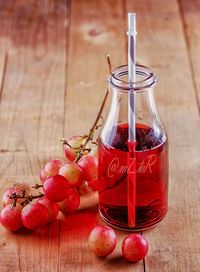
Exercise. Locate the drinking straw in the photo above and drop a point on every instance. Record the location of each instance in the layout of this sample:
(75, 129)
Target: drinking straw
(131, 172)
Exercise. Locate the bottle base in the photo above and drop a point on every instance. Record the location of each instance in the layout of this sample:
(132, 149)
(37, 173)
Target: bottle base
(137, 228)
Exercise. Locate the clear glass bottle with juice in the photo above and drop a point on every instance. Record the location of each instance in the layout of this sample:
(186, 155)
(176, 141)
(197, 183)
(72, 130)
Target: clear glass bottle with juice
(149, 159)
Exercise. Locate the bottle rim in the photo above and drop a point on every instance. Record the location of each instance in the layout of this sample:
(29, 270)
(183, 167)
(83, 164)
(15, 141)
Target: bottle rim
(149, 80)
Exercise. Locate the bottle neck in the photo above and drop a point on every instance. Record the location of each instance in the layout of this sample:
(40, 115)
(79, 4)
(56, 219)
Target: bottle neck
(138, 95)
(145, 79)
(133, 110)
(144, 107)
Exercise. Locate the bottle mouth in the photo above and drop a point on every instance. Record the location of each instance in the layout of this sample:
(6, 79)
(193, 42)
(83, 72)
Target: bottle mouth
(145, 78)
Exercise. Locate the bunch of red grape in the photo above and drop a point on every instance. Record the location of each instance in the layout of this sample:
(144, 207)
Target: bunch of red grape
(63, 184)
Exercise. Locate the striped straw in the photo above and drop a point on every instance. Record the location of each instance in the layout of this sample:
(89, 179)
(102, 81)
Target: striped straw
(131, 175)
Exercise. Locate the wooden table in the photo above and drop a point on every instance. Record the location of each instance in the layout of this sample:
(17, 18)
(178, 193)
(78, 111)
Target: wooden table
(53, 77)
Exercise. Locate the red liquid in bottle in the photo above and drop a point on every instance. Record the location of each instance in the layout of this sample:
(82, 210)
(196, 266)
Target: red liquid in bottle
(151, 168)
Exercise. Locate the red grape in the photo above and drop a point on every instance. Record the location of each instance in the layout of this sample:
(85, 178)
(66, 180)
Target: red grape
(90, 167)
(93, 184)
(102, 240)
(134, 247)
(52, 167)
(55, 188)
(43, 175)
(75, 142)
(73, 173)
(71, 202)
(6, 200)
(10, 217)
(84, 188)
(51, 206)
(35, 216)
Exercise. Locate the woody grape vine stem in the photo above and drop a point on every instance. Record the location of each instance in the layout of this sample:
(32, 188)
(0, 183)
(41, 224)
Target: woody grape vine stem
(88, 138)
(91, 133)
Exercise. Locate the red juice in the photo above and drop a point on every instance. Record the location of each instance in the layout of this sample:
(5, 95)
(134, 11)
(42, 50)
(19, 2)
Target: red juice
(151, 156)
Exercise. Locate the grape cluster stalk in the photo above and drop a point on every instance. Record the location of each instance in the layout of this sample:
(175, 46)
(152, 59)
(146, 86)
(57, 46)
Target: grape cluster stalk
(62, 183)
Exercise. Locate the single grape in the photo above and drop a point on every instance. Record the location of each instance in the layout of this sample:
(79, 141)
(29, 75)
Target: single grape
(71, 202)
(89, 165)
(10, 217)
(84, 188)
(55, 188)
(35, 216)
(75, 142)
(43, 175)
(6, 200)
(51, 206)
(52, 167)
(102, 240)
(73, 173)
(134, 247)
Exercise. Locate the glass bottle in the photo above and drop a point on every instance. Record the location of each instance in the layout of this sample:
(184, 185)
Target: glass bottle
(151, 154)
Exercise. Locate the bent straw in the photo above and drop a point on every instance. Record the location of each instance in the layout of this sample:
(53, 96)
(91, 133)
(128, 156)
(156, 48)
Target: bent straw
(131, 172)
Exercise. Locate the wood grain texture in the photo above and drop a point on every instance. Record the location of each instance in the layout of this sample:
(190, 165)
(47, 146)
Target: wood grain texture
(33, 33)
(174, 244)
(93, 34)
(189, 12)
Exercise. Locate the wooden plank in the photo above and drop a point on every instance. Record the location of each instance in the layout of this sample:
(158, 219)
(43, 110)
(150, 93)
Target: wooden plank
(31, 116)
(98, 30)
(189, 12)
(93, 34)
(174, 244)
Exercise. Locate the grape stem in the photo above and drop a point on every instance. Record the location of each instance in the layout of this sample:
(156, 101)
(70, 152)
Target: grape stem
(65, 142)
(95, 126)
(36, 186)
(28, 199)
(91, 133)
